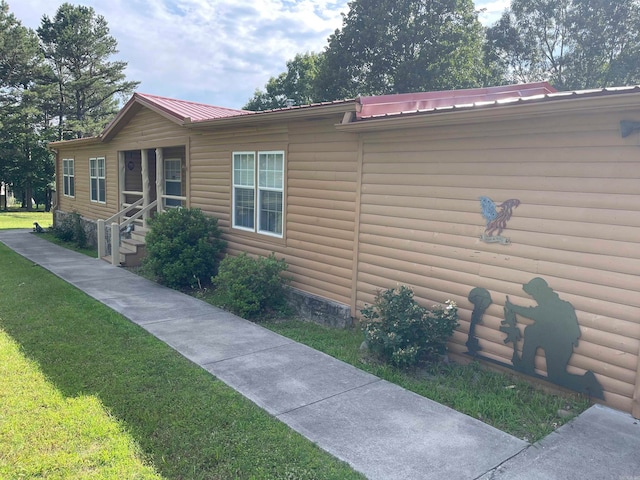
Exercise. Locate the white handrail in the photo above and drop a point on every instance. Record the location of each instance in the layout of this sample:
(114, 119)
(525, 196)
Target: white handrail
(138, 214)
(124, 210)
(115, 232)
(102, 247)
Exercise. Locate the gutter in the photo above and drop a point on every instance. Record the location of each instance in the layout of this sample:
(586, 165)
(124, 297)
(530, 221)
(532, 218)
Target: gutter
(273, 116)
(75, 142)
(520, 108)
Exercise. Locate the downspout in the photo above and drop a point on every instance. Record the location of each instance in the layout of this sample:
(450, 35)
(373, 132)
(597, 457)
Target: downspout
(356, 233)
(349, 118)
(54, 199)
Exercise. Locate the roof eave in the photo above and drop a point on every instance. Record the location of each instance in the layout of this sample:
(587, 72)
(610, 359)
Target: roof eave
(497, 111)
(76, 142)
(310, 111)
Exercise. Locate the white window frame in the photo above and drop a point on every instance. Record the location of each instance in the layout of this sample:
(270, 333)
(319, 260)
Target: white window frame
(96, 175)
(261, 182)
(68, 177)
(169, 202)
(270, 181)
(247, 182)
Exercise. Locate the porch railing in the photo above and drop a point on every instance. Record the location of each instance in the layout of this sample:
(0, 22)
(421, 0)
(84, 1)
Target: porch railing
(117, 226)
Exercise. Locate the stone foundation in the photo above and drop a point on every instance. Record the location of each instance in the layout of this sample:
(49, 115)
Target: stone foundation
(319, 310)
(90, 227)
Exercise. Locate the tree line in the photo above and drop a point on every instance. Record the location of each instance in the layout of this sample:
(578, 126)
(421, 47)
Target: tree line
(403, 46)
(56, 83)
(59, 82)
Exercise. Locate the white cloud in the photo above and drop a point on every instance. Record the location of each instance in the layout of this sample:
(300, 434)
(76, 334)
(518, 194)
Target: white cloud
(492, 10)
(212, 51)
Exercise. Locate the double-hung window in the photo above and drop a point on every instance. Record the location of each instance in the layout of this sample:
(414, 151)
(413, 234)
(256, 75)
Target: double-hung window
(258, 192)
(97, 179)
(68, 177)
(173, 181)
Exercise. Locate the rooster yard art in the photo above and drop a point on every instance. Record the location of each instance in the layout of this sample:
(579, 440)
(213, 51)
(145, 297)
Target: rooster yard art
(496, 216)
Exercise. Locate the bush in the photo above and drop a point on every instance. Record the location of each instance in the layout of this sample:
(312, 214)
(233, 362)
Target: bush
(70, 229)
(404, 333)
(183, 247)
(250, 286)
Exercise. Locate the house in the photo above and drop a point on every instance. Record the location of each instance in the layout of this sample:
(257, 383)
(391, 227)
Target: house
(520, 203)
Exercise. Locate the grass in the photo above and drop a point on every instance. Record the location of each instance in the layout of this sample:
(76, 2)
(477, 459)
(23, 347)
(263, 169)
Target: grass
(93, 395)
(183, 423)
(88, 250)
(44, 434)
(18, 218)
(504, 401)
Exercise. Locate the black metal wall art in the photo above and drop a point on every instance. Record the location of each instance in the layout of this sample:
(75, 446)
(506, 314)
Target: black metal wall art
(555, 330)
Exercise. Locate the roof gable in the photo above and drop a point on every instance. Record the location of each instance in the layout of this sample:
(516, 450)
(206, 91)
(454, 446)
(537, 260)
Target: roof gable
(181, 112)
(186, 111)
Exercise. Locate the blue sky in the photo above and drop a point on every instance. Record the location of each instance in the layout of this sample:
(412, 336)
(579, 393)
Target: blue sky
(213, 51)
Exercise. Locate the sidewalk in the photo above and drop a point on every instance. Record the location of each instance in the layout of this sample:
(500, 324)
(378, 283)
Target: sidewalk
(380, 429)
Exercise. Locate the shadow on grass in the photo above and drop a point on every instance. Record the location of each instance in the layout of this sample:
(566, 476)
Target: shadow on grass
(188, 424)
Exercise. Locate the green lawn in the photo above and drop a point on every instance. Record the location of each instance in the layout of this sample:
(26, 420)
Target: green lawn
(504, 401)
(111, 401)
(91, 395)
(44, 434)
(18, 218)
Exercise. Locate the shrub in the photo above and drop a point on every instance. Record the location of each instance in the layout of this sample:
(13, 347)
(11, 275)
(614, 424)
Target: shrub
(183, 247)
(70, 229)
(250, 286)
(404, 333)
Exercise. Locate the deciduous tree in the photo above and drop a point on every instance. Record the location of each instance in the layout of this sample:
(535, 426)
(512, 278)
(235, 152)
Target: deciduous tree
(573, 44)
(399, 46)
(297, 85)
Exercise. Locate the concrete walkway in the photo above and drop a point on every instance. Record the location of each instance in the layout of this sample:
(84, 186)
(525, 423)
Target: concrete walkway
(380, 429)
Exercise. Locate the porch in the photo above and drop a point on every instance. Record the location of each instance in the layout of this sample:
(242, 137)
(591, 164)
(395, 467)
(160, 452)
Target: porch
(149, 181)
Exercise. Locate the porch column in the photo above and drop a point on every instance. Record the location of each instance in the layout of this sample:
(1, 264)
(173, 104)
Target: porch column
(145, 184)
(121, 181)
(115, 244)
(160, 179)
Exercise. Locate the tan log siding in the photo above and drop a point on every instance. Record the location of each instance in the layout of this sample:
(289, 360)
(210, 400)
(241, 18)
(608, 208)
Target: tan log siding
(577, 227)
(210, 169)
(81, 203)
(148, 129)
(320, 198)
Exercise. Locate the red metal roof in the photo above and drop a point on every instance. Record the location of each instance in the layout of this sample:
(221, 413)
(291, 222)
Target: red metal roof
(384, 105)
(187, 111)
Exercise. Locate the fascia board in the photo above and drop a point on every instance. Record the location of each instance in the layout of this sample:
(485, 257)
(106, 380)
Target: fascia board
(277, 116)
(497, 112)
